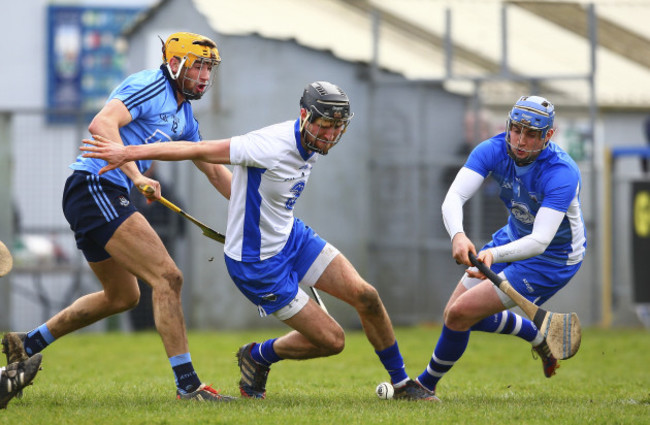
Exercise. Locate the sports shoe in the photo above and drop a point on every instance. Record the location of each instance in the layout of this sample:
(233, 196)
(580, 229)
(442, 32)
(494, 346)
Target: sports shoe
(13, 345)
(16, 376)
(549, 362)
(253, 375)
(414, 391)
(204, 393)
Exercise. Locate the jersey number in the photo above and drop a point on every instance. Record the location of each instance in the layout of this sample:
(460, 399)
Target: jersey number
(295, 190)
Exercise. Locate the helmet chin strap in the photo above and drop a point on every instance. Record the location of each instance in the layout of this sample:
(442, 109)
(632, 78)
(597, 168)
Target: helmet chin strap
(532, 154)
(175, 75)
(180, 82)
(311, 146)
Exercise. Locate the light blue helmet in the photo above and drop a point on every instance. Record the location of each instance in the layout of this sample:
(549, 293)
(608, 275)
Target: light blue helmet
(535, 113)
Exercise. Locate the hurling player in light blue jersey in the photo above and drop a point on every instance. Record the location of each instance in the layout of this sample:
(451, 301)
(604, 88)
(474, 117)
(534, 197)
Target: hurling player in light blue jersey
(269, 252)
(538, 251)
(117, 241)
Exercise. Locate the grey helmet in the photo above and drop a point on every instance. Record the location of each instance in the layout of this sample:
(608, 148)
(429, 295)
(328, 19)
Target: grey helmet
(322, 99)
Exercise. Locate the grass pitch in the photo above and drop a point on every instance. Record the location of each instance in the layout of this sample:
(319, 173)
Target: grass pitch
(126, 379)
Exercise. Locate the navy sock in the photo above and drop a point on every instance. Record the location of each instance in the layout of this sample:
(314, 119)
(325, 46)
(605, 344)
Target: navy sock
(264, 353)
(392, 360)
(450, 347)
(510, 323)
(184, 374)
(38, 339)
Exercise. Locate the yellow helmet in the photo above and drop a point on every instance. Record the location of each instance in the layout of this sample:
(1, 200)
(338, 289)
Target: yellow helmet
(188, 48)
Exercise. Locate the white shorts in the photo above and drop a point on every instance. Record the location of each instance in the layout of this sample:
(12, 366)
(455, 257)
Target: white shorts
(470, 282)
(314, 272)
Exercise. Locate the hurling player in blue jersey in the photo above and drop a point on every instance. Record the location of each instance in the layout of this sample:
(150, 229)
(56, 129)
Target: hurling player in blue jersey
(538, 251)
(269, 252)
(117, 241)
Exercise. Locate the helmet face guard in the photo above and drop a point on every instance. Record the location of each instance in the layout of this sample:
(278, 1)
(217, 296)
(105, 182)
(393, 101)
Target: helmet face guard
(326, 101)
(189, 48)
(531, 114)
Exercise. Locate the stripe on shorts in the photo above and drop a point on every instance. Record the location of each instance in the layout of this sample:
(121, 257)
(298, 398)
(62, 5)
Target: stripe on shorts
(97, 192)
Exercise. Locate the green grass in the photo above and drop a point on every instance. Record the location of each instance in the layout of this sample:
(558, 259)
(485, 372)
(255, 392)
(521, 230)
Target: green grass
(125, 378)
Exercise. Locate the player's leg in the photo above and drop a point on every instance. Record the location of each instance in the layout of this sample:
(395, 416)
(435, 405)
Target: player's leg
(137, 248)
(468, 304)
(111, 233)
(315, 334)
(538, 280)
(341, 280)
(120, 293)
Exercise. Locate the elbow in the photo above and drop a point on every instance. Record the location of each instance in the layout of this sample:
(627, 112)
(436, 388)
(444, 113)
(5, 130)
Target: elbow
(540, 246)
(96, 125)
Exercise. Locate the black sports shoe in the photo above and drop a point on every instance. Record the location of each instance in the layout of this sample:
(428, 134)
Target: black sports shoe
(549, 362)
(414, 391)
(253, 375)
(13, 346)
(204, 393)
(16, 376)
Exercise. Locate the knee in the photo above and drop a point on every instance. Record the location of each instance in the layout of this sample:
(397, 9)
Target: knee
(172, 281)
(366, 300)
(456, 319)
(335, 342)
(126, 300)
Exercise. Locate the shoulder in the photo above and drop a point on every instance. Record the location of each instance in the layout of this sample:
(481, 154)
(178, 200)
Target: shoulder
(144, 78)
(494, 146)
(144, 87)
(556, 159)
(275, 133)
(487, 155)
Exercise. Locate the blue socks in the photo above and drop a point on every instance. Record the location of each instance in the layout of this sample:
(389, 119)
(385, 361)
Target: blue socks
(38, 339)
(452, 344)
(450, 347)
(392, 360)
(264, 353)
(510, 323)
(184, 374)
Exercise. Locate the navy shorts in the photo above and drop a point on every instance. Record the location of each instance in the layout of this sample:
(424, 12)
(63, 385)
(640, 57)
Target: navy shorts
(95, 208)
(273, 283)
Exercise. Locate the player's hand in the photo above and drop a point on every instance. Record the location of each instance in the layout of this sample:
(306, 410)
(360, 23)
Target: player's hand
(461, 246)
(484, 257)
(150, 188)
(100, 147)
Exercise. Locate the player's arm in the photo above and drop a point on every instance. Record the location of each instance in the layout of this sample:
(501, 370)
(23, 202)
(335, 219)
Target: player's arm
(219, 176)
(547, 222)
(107, 124)
(212, 151)
(464, 186)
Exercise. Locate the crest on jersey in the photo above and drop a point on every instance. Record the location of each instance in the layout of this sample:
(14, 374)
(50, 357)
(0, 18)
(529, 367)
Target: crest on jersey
(522, 213)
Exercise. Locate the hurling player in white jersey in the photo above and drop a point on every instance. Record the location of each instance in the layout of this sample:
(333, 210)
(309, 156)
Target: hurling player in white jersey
(116, 240)
(269, 252)
(538, 251)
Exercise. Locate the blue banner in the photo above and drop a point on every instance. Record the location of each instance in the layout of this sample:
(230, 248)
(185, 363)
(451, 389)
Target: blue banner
(85, 56)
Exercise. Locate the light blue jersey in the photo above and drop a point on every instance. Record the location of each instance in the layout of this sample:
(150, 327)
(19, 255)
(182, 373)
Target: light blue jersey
(156, 117)
(552, 180)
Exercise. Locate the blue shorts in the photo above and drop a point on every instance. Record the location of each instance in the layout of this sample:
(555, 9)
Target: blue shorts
(535, 278)
(95, 208)
(272, 283)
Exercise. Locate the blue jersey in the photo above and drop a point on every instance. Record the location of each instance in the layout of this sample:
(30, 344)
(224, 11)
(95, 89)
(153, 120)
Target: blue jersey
(552, 180)
(156, 117)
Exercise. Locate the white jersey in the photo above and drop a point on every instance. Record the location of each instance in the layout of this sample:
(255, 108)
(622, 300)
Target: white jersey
(271, 169)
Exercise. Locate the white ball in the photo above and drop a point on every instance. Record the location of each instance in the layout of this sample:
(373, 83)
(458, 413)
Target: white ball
(385, 391)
